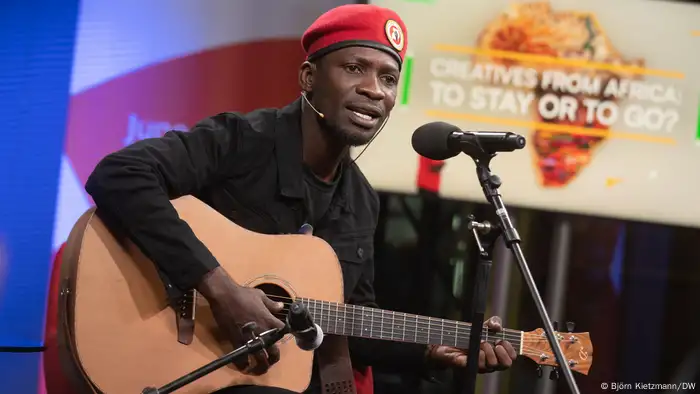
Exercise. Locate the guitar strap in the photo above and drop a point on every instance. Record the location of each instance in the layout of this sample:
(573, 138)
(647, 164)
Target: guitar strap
(334, 366)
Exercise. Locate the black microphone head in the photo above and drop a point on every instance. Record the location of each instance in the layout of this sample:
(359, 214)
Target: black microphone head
(298, 316)
(517, 140)
(431, 140)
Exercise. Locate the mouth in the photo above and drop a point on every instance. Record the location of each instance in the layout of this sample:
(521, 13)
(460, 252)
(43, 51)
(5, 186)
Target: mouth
(364, 116)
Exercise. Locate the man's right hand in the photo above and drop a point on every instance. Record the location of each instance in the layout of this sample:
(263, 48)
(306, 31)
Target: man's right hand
(233, 306)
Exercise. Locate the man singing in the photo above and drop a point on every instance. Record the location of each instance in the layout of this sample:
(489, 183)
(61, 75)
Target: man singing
(271, 171)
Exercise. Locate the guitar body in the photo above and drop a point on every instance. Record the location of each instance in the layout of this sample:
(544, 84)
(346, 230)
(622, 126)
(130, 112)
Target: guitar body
(118, 333)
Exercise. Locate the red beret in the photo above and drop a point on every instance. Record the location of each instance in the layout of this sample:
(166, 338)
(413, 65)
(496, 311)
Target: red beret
(356, 25)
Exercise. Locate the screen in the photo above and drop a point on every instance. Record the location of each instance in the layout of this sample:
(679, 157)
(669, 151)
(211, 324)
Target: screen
(606, 95)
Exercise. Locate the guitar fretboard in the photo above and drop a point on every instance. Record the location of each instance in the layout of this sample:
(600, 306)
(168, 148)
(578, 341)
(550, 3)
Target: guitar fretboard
(365, 322)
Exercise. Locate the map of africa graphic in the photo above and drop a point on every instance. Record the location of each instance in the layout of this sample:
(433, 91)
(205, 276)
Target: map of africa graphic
(536, 29)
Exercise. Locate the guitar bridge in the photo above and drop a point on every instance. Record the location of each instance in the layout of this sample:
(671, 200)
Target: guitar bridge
(185, 310)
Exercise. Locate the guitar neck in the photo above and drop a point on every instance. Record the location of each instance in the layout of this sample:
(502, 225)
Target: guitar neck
(373, 323)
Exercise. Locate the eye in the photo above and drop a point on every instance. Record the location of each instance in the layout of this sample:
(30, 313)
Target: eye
(390, 80)
(353, 68)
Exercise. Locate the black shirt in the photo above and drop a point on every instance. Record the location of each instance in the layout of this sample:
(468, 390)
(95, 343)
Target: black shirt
(249, 168)
(318, 194)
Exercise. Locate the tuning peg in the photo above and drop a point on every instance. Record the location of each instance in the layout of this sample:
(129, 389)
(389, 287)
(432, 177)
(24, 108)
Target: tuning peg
(539, 371)
(570, 326)
(554, 374)
(555, 325)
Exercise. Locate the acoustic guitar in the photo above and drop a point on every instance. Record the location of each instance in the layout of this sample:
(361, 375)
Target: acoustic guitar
(118, 333)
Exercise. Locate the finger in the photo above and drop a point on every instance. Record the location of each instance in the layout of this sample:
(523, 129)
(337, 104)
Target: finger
(482, 360)
(246, 333)
(274, 322)
(242, 363)
(509, 349)
(261, 363)
(258, 362)
(459, 359)
(494, 323)
(273, 306)
(489, 355)
(234, 335)
(504, 360)
(273, 354)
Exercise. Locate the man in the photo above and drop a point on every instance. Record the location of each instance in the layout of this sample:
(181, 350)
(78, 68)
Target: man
(272, 171)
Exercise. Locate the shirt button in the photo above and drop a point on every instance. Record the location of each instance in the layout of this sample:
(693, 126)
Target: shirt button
(360, 252)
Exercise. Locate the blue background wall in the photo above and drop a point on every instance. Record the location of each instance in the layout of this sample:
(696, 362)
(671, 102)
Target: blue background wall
(36, 51)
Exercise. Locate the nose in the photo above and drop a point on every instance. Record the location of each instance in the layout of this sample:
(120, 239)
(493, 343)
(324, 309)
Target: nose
(371, 87)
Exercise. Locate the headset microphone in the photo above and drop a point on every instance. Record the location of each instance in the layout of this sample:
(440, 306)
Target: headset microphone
(303, 94)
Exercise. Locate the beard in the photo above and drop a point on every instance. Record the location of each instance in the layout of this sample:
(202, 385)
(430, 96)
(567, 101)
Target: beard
(347, 135)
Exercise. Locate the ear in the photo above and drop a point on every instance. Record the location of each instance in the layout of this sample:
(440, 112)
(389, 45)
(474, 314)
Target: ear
(306, 76)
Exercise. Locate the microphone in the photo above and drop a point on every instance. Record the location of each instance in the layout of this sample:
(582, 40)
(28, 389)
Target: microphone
(307, 334)
(440, 141)
(303, 94)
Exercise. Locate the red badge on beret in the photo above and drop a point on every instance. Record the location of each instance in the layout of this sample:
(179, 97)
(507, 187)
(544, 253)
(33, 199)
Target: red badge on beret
(356, 25)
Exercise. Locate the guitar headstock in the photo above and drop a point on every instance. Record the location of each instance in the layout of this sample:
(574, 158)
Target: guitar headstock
(576, 347)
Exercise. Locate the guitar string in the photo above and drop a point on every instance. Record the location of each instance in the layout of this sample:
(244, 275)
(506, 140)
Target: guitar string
(356, 310)
(317, 304)
(379, 334)
(424, 321)
(375, 326)
(526, 350)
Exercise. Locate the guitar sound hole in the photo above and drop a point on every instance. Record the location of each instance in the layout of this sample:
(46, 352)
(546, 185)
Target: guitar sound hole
(277, 294)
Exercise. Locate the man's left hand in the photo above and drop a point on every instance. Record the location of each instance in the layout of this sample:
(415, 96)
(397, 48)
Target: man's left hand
(491, 358)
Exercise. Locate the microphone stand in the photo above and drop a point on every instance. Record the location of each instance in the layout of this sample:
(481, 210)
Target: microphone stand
(490, 184)
(263, 341)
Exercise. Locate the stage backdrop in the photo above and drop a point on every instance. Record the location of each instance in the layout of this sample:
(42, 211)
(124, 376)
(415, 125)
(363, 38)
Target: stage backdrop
(36, 52)
(606, 94)
(143, 68)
